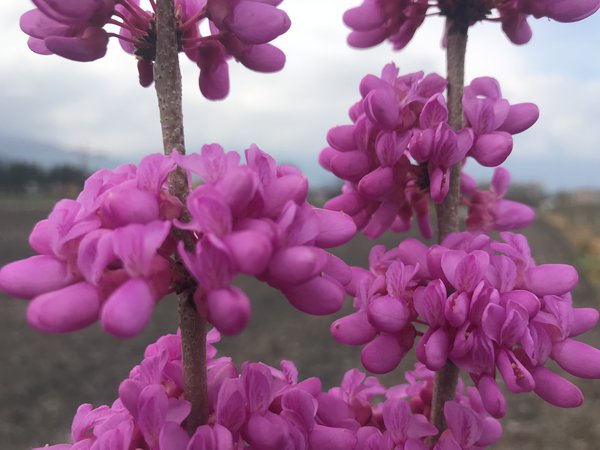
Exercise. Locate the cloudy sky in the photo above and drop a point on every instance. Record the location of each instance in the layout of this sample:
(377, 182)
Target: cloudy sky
(99, 107)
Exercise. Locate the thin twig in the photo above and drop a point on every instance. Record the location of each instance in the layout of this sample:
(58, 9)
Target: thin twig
(167, 79)
(447, 212)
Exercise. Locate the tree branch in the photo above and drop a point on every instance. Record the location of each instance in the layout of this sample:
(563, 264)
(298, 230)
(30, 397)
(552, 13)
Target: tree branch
(167, 79)
(447, 212)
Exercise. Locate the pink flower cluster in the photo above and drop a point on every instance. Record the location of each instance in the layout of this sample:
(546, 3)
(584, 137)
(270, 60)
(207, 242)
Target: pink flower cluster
(109, 254)
(400, 149)
(238, 28)
(482, 304)
(397, 20)
(254, 219)
(264, 408)
(103, 256)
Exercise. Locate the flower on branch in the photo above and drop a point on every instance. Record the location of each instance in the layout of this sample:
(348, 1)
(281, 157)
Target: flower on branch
(267, 408)
(241, 29)
(112, 254)
(398, 153)
(374, 21)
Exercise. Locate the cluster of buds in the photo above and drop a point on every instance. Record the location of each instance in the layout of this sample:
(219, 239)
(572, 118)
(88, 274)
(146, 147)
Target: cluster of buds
(254, 219)
(241, 29)
(104, 255)
(266, 408)
(374, 21)
(400, 149)
(489, 210)
(111, 253)
(483, 305)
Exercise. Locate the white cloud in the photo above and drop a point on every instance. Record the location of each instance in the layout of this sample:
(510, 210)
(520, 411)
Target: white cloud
(100, 106)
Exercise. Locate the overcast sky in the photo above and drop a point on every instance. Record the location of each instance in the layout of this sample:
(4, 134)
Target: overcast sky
(100, 107)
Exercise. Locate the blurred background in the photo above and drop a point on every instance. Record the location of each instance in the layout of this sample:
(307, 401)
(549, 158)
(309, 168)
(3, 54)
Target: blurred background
(61, 120)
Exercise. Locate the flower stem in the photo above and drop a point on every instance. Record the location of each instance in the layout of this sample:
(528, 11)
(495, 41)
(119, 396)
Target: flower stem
(167, 79)
(447, 212)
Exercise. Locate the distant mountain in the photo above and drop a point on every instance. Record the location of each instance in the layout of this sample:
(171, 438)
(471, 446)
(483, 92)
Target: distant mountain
(46, 155)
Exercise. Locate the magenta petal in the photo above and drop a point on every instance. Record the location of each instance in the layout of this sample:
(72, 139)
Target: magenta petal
(464, 423)
(584, 319)
(125, 206)
(491, 396)
(231, 404)
(250, 250)
(329, 438)
(500, 181)
(524, 299)
(355, 329)
(365, 17)
(491, 432)
(264, 58)
(577, 358)
(33, 276)
(381, 220)
(38, 46)
(214, 82)
(551, 279)
(228, 310)
(388, 314)
(257, 23)
(457, 308)
(173, 436)
(434, 112)
(335, 228)
(382, 108)
(414, 252)
(64, 310)
(127, 311)
(322, 295)
(295, 265)
(39, 26)
(326, 156)
(337, 269)
(515, 375)
(439, 184)
(382, 354)
(342, 138)
(436, 349)
(378, 183)
(520, 117)
(91, 45)
(429, 302)
(510, 215)
(40, 239)
(145, 72)
(351, 166)
(571, 10)
(555, 389)
(283, 189)
(266, 431)
(492, 149)
(517, 29)
(366, 39)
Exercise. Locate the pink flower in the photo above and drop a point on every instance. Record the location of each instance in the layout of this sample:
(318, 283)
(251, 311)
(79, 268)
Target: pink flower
(489, 210)
(238, 28)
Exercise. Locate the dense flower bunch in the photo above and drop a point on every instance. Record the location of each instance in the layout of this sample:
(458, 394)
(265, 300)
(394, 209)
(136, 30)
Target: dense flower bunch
(397, 20)
(264, 408)
(254, 219)
(399, 151)
(482, 304)
(109, 255)
(238, 28)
